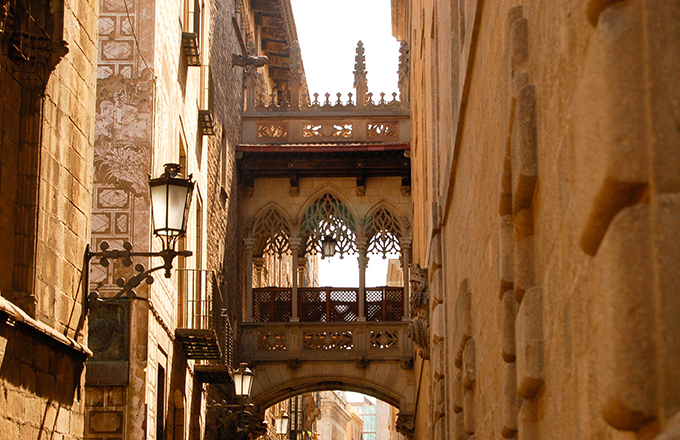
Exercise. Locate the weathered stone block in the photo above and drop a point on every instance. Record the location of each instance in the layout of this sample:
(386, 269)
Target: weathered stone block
(625, 315)
(469, 364)
(463, 329)
(469, 411)
(438, 361)
(439, 398)
(528, 420)
(529, 333)
(509, 401)
(519, 41)
(524, 150)
(458, 391)
(524, 265)
(508, 314)
(668, 245)
(459, 427)
(506, 253)
(610, 139)
(438, 324)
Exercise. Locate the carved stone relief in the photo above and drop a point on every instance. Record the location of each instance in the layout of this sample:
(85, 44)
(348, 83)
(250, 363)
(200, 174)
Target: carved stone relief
(419, 310)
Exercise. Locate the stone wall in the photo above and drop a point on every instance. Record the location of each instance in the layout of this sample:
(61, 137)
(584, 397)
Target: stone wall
(540, 209)
(223, 251)
(46, 144)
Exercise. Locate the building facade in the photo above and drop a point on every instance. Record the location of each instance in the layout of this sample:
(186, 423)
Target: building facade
(545, 157)
(47, 91)
(170, 89)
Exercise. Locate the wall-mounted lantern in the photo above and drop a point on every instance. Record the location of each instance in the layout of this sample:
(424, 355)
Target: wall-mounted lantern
(170, 202)
(281, 423)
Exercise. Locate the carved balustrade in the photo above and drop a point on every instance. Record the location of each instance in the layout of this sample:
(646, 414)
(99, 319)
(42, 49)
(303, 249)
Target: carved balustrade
(381, 124)
(302, 341)
(327, 304)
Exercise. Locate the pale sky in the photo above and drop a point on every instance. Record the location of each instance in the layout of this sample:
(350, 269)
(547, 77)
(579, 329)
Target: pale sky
(329, 30)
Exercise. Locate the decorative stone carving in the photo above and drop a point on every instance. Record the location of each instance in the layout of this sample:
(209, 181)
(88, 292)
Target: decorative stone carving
(419, 310)
(362, 362)
(294, 363)
(406, 425)
(360, 81)
(404, 61)
(406, 364)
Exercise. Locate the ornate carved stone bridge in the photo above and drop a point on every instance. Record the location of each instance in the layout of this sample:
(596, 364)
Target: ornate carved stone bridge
(325, 176)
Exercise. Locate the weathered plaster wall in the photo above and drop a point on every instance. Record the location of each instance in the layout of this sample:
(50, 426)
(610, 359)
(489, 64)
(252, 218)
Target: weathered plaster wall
(551, 182)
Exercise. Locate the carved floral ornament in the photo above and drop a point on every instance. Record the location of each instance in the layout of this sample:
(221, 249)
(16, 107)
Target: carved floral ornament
(329, 218)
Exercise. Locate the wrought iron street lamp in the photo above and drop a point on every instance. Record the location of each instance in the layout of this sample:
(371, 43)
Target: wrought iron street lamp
(170, 202)
(243, 380)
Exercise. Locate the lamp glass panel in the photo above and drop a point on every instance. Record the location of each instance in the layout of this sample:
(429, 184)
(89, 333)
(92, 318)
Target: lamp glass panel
(177, 198)
(282, 424)
(238, 383)
(158, 204)
(247, 382)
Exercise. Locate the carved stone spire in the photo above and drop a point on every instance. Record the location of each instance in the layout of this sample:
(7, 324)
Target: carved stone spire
(404, 61)
(360, 81)
(295, 74)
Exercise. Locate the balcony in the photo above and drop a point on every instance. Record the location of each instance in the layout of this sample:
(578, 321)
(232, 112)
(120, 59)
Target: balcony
(190, 47)
(195, 332)
(328, 304)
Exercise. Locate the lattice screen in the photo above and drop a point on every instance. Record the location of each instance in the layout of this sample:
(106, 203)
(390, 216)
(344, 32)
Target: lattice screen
(328, 305)
(272, 304)
(272, 233)
(384, 232)
(329, 217)
(384, 304)
(344, 305)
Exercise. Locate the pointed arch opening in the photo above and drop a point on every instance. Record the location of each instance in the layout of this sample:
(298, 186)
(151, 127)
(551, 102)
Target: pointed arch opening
(328, 218)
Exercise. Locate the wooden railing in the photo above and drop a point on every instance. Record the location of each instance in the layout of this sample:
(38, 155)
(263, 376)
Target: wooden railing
(327, 304)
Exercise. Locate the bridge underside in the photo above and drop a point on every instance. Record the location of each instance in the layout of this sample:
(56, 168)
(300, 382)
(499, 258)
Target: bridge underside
(374, 358)
(391, 382)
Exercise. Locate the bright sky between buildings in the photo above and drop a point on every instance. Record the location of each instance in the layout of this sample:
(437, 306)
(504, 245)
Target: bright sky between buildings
(329, 30)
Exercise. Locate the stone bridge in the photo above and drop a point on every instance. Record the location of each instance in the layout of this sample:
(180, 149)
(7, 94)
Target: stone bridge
(324, 177)
(374, 358)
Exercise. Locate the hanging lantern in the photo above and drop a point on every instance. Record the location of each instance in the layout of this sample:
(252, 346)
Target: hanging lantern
(328, 247)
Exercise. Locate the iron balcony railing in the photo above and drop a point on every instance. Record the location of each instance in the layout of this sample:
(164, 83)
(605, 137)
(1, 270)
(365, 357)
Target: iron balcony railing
(327, 304)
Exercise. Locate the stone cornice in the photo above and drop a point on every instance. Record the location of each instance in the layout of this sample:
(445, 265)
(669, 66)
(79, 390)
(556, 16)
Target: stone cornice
(10, 314)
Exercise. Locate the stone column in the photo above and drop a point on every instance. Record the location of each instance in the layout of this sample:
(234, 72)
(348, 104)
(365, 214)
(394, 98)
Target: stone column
(405, 244)
(295, 250)
(258, 267)
(363, 262)
(250, 246)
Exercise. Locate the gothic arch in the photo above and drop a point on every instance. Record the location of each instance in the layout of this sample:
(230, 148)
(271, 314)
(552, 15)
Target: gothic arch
(384, 228)
(327, 215)
(271, 228)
